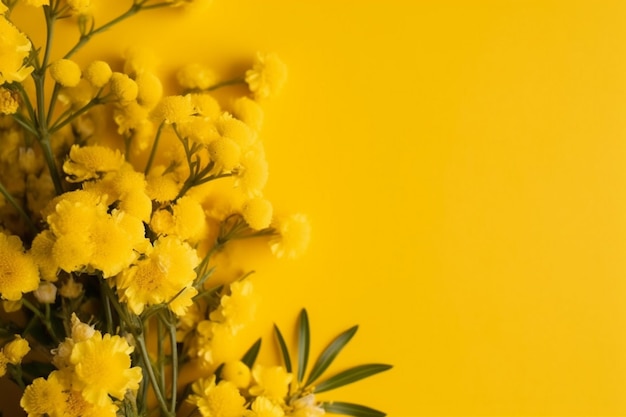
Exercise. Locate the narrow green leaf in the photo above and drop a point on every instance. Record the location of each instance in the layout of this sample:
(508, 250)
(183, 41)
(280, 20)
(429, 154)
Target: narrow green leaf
(283, 348)
(351, 375)
(328, 356)
(304, 342)
(251, 354)
(348, 409)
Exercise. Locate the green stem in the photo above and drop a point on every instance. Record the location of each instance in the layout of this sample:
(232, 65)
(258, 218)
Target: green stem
(46, 322)
(59, 124)
(160, 353)
(154, 148)
(26, 100)
(50, 18)
(107, 307)
(25, 124)
(53, 102)
(153, 380)
(18, 376)
(134, 9)
(172, 329)
(19, 209)
(52, 167)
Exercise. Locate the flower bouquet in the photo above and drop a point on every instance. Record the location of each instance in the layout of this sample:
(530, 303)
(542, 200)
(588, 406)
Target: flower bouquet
(117, 204)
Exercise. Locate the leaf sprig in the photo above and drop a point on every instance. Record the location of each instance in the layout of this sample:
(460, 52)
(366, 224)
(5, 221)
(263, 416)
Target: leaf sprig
(325, 359)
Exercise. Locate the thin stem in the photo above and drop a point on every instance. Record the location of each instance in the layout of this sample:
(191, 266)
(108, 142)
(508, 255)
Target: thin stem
(59, 124)
(53, 102)
(18, 376)
(50, 18)
(54, 173)
(153, 380)
(24, 123)
(154, 148)
(160, 353)
(26, 100)
(107, 308)
(46, 322)
(134, 9)
(172, 330)
(19, 209)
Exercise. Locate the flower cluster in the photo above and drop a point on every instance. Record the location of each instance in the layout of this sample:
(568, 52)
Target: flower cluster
(116, 205)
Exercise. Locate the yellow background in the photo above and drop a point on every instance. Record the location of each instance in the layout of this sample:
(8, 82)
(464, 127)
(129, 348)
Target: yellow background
(462, 163)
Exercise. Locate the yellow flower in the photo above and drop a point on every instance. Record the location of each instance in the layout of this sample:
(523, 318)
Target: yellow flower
(166, 270)
(130, 116)
(264, 407)
(238, 373)
(41, 251)
(215, 343)
(221, 400)
(89, 162)
(18, 271)
(249, 112)
(150, 89)
(123, 88)
(55, 397)
(98, 73)
(257, 212)
(253, 173)
(88, 238)
(184, 219)
(8, 101)
(238, 308)
(78, 95)
(16, 349)
(205, 105)
(294, 234)
(102, 368)
(14, 50)
(271, 382)
(44, 396)
(127, 189)
(229, 127)
(225, 153)
(196, 76)
(3, 7)
(77, 406)
(267, 76)
(65, 72)
(174, 109)
(162, 187)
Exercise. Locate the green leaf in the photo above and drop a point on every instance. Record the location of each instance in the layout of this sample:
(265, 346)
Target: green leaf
(304, 343)
(328, 356)
(349, 409)
(351, 375)
(283, 348)
(251, 354)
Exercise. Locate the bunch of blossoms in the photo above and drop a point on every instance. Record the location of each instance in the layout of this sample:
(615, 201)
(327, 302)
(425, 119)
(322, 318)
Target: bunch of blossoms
(111, 230)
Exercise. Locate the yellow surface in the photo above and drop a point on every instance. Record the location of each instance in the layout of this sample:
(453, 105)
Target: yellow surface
(462, 163)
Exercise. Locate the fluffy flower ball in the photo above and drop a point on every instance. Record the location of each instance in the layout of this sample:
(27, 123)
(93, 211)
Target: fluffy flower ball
(65, 72)
(18, 271)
